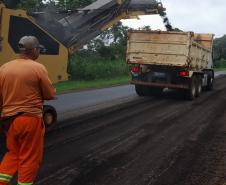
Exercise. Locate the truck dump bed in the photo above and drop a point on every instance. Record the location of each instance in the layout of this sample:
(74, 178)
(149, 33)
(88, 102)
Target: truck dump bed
(170, 49)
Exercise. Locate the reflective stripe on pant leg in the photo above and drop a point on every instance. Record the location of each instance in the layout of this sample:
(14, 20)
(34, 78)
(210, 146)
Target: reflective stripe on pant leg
(24, 183)
(5, 177)
(9, 165)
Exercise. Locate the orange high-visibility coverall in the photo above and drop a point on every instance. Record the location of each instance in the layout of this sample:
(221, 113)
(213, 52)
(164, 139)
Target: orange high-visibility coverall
(25, 145)
(24, 84)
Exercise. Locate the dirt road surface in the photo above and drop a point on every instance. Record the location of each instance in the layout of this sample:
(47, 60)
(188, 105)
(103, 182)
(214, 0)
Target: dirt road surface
(151, 141)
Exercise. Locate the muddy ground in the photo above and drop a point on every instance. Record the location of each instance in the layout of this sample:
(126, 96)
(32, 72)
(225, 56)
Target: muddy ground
(153, 141)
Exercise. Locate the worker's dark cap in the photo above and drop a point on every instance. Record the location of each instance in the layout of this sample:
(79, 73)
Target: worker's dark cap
(28, 43)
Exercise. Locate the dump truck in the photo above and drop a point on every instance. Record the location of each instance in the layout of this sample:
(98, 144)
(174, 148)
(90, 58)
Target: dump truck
(173, 60)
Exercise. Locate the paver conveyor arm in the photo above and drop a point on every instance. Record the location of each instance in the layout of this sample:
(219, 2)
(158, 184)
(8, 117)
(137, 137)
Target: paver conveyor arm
(79, 27)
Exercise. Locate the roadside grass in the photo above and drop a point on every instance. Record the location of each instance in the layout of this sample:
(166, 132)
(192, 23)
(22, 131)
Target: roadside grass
(73, 85)
(220, 65)
(94, 68)
(220, 69)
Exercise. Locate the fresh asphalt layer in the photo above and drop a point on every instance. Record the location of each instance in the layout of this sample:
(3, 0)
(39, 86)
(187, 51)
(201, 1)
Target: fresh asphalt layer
(76, 103)
(73, 104)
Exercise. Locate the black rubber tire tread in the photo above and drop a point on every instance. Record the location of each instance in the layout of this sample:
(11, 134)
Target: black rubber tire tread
(155, 91)
(50, 109)
(210, 82)
(198, 82)
(147, 91)
(189, 93)
(139, 90)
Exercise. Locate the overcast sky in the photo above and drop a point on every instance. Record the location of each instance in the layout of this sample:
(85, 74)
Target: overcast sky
(202, 16)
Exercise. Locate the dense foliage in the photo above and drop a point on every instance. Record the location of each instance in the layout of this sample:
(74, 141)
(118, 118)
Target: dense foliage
(219, 52)
(31, 5)
(93, 68)
(104, 56)
(34, 5)
(73, 4)
(220, 48)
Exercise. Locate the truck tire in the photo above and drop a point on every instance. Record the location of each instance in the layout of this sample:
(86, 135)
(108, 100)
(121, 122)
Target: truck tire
(198, 90)
(49, 116)
(142, 90)
(191, 92)
(155, 91)
(139, 90)
(210, 80)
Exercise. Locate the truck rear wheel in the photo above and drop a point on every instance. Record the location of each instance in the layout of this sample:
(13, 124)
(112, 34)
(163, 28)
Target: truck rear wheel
(210, 79)
(191, 92)
(140, 90)
(198, 86)
(154, 91)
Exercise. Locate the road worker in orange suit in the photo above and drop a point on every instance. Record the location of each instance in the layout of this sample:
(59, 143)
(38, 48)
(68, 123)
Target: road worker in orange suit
(24, 85)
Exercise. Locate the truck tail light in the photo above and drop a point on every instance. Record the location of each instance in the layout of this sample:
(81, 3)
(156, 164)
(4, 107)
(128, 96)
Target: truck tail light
(183, 73)
(135, 69)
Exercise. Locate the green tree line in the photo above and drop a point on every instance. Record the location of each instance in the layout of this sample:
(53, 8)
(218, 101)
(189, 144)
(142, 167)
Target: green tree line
(102, 57)
(33, 5)
(219, 52)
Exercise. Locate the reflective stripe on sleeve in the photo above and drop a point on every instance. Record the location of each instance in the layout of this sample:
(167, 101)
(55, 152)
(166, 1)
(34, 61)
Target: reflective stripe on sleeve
(5, 177)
